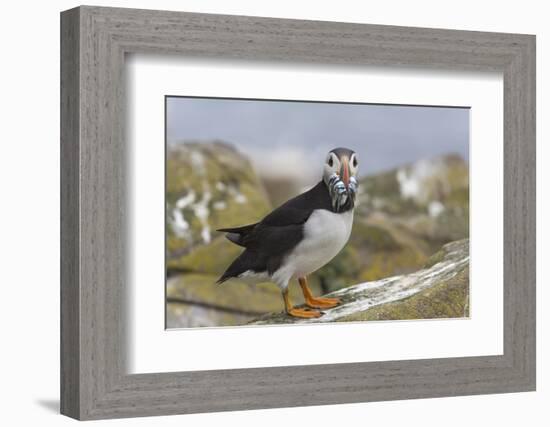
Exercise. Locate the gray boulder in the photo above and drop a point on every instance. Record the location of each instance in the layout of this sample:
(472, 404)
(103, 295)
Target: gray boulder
(440, 290)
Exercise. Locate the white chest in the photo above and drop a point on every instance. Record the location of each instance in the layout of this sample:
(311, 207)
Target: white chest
(325, 234)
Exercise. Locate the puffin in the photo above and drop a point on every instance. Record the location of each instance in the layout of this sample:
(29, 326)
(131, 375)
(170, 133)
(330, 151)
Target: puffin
(300, 236)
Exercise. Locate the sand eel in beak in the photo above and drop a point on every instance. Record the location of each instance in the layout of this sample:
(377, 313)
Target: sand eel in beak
(300, 236)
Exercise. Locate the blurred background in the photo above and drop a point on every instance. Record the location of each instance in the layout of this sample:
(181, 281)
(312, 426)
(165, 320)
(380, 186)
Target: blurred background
(230, 162)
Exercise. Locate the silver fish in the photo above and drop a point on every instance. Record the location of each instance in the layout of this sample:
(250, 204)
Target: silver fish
(338, 192)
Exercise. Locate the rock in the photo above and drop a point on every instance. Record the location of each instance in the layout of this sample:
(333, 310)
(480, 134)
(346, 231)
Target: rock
(209, 185)
(194, 299)
(402, 217)
(429, 198)
(413, 188)
(440, 290)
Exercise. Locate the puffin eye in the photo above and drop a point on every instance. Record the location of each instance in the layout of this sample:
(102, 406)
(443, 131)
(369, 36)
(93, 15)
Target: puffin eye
(355, 162)
(330, 162)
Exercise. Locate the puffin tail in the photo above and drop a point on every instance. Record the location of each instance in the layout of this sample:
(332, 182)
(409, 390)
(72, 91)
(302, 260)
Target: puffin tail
(222, 279)
(246, 262)
(237, 234)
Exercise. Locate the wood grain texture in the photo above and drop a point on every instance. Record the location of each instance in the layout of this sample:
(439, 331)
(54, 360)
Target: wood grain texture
(94, 266)
(70, 292)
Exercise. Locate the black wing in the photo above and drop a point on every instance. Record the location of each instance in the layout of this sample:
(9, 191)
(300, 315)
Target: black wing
(268, 241)
(265, 250)
(296, 211)
(277, 228)
(299, 208)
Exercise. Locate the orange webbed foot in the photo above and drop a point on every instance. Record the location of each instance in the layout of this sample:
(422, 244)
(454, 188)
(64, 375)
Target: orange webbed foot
(304, 313)
(313, 302)
(322, 302)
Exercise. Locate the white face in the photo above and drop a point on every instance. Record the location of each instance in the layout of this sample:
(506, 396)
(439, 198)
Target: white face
(333, 164)
(353, 165)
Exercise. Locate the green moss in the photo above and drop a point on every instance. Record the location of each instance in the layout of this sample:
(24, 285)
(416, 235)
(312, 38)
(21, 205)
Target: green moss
(435, 258)
(213, 258)
(384, 264)
(449, 299)
(224, 179)
(261, 297)
(385, 249)
(459, 197)
(461, 246)
(374, 237)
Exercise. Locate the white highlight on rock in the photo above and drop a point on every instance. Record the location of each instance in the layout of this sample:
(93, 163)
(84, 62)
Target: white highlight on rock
(240, 198)
(412, 179)
(201, 211)
(393, 288)
(186, 200)
(237, 195)
(197, 162)
(435, 208)
(179, 224)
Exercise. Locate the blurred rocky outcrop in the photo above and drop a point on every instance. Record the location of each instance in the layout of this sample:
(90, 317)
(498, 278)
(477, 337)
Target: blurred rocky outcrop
(430, 198)
(208, 185)
(402, 217)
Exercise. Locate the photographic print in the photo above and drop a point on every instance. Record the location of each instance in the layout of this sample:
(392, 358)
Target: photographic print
(292, 212)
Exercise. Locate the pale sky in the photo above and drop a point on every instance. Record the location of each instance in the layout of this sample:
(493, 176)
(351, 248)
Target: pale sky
(300, 133)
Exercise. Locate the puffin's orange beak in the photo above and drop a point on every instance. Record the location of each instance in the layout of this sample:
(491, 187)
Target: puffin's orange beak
(344, 171)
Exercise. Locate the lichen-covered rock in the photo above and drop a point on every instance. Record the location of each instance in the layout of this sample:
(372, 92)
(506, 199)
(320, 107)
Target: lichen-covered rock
(428, 198)
(209, 185)
(441, 290)
(402, 217)
(420, 187)
(448, 299)
(195, 299)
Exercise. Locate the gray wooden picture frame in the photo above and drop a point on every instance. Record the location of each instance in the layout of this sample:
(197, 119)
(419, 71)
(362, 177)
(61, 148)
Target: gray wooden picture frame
(94, 41)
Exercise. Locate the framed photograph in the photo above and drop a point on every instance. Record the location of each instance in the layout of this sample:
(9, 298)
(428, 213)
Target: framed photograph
(310, 215)
(262, 213)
